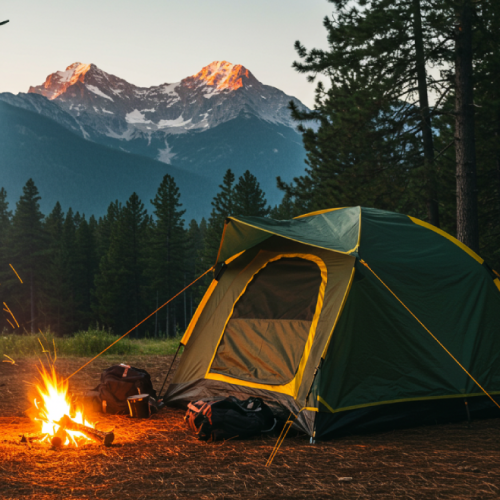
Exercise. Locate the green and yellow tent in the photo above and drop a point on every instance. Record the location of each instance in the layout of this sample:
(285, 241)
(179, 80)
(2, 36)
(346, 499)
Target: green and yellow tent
(351, 318)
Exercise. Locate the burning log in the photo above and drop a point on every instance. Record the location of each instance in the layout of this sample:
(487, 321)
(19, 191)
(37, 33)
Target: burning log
(59, 438)
(105, 438)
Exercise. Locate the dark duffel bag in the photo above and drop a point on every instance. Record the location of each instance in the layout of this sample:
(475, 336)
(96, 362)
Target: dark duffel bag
(117, 384)
(229, 418)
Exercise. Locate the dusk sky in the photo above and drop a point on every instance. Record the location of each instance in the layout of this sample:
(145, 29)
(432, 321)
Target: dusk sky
(157, 41)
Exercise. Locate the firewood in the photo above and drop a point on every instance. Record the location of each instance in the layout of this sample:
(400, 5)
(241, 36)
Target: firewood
(59, 438)
(105, 438)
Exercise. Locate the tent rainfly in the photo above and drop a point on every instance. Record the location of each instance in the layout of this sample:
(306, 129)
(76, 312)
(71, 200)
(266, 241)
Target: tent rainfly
(353, 318)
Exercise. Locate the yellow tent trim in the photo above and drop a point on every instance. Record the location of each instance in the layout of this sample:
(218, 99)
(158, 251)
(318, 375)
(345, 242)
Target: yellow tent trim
(319, 212)
(199, 309)
(235, 256)
(349, 252)
(221, 240)
(497, 283)
(359, 232)
(367, 405)
(292, 387)
(465, 248)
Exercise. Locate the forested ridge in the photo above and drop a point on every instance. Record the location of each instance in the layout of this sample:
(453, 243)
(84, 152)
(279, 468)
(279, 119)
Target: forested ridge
(79, 271)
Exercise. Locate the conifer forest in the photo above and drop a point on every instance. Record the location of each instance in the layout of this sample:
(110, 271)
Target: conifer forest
(406, 119)
(77, 271)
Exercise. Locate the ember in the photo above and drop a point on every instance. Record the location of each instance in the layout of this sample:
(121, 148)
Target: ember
(59, 423)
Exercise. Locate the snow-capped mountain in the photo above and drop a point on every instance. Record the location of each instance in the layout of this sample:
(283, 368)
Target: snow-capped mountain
(222, 117)
(110, 106)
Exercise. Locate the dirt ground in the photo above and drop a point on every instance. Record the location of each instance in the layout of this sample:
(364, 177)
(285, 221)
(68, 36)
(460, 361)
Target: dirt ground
(159, 458)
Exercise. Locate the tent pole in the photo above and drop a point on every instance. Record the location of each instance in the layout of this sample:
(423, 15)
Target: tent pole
(168, 373)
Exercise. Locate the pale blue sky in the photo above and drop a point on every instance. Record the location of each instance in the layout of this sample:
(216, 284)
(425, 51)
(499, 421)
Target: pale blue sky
(149, 42)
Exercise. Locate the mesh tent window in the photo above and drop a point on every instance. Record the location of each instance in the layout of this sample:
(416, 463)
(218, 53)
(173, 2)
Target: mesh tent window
(265, 336)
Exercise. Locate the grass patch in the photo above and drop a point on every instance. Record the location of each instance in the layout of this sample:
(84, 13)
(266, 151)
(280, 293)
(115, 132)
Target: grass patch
(83, 344)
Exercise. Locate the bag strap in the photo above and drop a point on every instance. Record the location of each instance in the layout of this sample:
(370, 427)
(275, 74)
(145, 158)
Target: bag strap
(205, 409)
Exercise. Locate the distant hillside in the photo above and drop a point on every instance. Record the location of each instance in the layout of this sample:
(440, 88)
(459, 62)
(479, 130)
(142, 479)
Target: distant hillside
(82, 174)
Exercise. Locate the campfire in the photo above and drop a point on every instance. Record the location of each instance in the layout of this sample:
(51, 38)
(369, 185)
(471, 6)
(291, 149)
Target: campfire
(60, 423)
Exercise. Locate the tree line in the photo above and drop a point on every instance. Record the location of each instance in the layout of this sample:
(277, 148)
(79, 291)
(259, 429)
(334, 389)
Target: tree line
(408, 121)
(408, 114)
(112, 271)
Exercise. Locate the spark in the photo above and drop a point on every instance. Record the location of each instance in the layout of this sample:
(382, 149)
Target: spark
(16, 273)
(10, 323)
(9, 360)
(47, 351)
(11, 313)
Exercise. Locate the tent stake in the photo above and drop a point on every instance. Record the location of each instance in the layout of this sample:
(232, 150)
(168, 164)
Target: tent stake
(469, 425)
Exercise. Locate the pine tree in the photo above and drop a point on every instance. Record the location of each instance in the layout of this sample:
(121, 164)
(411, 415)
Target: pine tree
(168, 244)
(287, 209)
(5, 271)
(105, 228)
(57, 290)
(69, 256)
(86, 267)
(465, 147)
(5, 223)
(27, 251)
(487, 120)
(5, 214)
(195, 263)
(223, 207)
(249, 199)
(375, 137)
(119, 284)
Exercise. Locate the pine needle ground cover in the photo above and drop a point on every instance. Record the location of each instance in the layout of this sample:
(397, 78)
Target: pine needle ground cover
(159, 458)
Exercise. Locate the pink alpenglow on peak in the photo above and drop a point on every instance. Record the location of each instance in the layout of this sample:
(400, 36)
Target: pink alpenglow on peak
(57, 83)
(221, 75)
(218, 93)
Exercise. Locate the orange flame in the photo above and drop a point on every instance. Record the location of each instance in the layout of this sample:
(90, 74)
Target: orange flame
(54, 404)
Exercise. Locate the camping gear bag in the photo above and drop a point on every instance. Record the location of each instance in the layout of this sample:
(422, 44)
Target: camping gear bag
(139, 406)
(118, 383)
(215, 420)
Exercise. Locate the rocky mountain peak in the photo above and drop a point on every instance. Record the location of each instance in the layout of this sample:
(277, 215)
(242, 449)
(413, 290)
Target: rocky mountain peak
(105, 105)
(58, 82)
(221, 75)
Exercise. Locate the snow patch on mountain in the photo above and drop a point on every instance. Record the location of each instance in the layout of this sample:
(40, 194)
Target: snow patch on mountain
(136, 117)
(178, 122)
(169, 88)
(95, 90)
(166, 155)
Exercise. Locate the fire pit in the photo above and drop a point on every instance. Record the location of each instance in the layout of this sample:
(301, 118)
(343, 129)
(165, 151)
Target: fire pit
(60, 424)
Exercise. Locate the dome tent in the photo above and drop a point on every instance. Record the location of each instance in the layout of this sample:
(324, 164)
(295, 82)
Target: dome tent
(351, 318)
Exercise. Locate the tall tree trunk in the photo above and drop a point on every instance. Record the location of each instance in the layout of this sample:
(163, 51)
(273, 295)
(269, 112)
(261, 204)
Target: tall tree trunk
(465, 147)
(425, 119)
